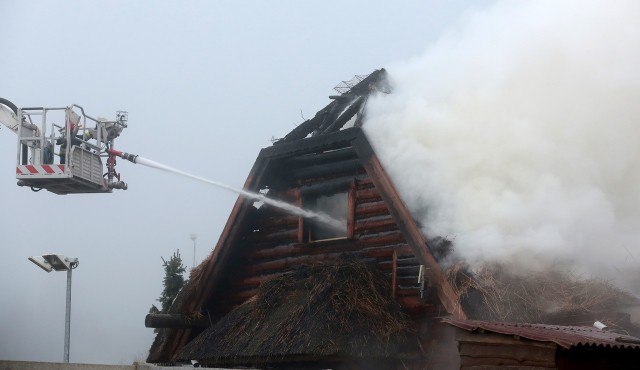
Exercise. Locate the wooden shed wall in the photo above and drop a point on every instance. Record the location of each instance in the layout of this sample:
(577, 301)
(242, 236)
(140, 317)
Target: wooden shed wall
(501, 352)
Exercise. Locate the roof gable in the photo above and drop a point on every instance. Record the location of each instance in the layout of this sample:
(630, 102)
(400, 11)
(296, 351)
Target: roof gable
(322, 134)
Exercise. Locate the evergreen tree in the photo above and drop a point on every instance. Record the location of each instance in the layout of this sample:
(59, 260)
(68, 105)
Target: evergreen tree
(173, 282)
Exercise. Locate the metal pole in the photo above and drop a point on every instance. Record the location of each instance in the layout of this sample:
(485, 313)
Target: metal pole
(193, 237)
(67, 319)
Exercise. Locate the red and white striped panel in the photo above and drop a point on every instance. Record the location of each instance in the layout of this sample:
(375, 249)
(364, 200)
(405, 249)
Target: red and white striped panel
(41, 169)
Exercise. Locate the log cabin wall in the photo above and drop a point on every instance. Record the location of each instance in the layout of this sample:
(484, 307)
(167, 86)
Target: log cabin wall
(276, 242)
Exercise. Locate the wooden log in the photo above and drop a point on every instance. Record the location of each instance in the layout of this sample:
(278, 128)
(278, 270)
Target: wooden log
(402, 291)
(320, 158)
(408, 281)
(412, 301)
(274, 222)
(291, 250)
(278, 251)
(402, 270)
(308, 126)
(333, 141)
(337, 108)
(377, 225)
(368, 195)
(329, 186)
(347, 166)
(175, 321)
(401, 250)
(366, 210)
(361, 241)
(283, 264)
(364, 183)
(401, 263)
(286, 263)
(279, 236)
(388, 238)
(254, 281)
(348, 113)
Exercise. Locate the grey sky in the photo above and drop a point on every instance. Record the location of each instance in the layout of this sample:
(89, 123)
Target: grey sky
(206, 84)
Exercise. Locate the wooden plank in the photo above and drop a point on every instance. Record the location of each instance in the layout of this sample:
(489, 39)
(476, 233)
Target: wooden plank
(464, 336)
(479, 354)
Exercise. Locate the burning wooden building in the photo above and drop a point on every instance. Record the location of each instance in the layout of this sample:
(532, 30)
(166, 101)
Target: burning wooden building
(285, 291)
(263, 251)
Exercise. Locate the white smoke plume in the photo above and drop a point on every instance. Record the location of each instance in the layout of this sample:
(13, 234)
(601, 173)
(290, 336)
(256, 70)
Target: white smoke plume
(517, 134)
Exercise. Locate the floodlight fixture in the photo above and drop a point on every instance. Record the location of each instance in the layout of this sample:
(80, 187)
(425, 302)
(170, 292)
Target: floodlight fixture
(57, 262)
(41, 262)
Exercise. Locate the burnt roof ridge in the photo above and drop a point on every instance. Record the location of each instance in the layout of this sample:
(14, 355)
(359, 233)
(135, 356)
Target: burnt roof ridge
(347, 107)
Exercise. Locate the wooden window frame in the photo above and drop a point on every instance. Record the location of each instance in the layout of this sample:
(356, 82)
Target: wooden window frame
(303, 226)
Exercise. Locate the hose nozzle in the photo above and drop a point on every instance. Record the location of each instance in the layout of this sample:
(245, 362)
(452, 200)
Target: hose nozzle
(127, 156)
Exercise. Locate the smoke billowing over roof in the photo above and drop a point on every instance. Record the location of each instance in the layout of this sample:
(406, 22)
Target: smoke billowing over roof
(516, 136)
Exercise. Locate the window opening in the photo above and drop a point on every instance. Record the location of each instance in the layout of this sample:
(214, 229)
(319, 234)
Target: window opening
(334, 205)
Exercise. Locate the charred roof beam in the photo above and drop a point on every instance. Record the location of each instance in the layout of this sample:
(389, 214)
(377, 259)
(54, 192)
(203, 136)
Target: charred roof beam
(339, 107)
(334, 116)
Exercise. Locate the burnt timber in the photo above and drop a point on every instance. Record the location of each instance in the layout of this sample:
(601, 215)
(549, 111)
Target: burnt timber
(318, 157)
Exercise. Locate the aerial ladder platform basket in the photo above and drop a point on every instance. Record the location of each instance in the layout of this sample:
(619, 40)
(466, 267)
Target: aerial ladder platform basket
(62, 149)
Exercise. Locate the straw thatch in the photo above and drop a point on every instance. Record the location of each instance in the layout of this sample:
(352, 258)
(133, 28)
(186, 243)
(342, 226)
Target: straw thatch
(494, 292)
(341, 310)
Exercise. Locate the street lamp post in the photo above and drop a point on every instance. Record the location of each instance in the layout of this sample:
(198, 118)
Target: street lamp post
(193, 237)
(59, 262)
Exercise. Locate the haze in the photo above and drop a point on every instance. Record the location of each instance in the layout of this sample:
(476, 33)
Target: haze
(206, 85)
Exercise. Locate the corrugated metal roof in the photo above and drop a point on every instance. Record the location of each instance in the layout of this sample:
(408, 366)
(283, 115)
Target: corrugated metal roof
(564, 336)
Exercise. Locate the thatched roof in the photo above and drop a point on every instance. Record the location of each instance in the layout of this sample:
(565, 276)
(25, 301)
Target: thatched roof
(342, 310)
(552, 296)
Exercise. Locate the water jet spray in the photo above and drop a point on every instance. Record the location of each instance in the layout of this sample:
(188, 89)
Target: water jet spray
(287, 207)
